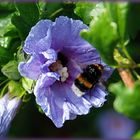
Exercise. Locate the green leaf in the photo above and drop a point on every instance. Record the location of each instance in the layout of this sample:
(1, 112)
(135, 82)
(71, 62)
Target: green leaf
(9, 6)
(53, 10)
(133, 19)
(13, 45)
(28, 15)
(5, 55)
(28, 11)
(102, 34)
(20, 55)
(118, 13)
(6, 8)
(84, 9)
(5, 26)
(127, 100)
(50, 10)
(15, 89)
(21, 25)
(11, 33)
(137, 135)
(11, 70)
(27, 84)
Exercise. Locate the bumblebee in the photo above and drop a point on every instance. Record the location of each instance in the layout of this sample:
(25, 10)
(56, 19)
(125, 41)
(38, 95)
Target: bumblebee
(87, 79)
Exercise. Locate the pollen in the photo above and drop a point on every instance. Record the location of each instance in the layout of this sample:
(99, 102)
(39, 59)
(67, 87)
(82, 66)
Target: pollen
(64, 74)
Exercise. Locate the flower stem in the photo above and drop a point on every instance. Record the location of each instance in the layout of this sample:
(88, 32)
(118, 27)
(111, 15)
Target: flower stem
(126, 77)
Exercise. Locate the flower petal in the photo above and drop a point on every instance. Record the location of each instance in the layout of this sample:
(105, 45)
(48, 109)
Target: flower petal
(59, 103)
(44, 81)
(65, 32)
(72, 105)
(76, 105)
(107, 72)
(50, 57)
(52, 105)
(31, 69)
(47, 79)
(83, 55)
(39, 38)
(50, 54)
(8, 109)
(96, 96)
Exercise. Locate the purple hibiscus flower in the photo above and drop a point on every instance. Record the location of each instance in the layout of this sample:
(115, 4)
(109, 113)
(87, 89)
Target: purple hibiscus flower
(57, 55)
(8, 108)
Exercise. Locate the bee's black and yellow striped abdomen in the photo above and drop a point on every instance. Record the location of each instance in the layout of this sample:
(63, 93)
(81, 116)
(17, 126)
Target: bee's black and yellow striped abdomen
(90, 76)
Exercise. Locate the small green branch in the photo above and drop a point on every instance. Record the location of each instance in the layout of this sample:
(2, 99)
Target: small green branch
(136, 74)
(56, 12)
(4, 82)
(3, 90)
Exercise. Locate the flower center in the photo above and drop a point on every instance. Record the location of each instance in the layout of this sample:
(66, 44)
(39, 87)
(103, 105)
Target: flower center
(62, 58)
(60, 67)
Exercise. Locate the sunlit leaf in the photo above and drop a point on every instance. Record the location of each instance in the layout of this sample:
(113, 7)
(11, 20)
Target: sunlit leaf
(11, 70)
(27, 84)
(5, 26)
(84, 9)
(15, 89)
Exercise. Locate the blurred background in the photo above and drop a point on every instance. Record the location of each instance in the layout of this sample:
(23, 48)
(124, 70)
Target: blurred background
(101, 122)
